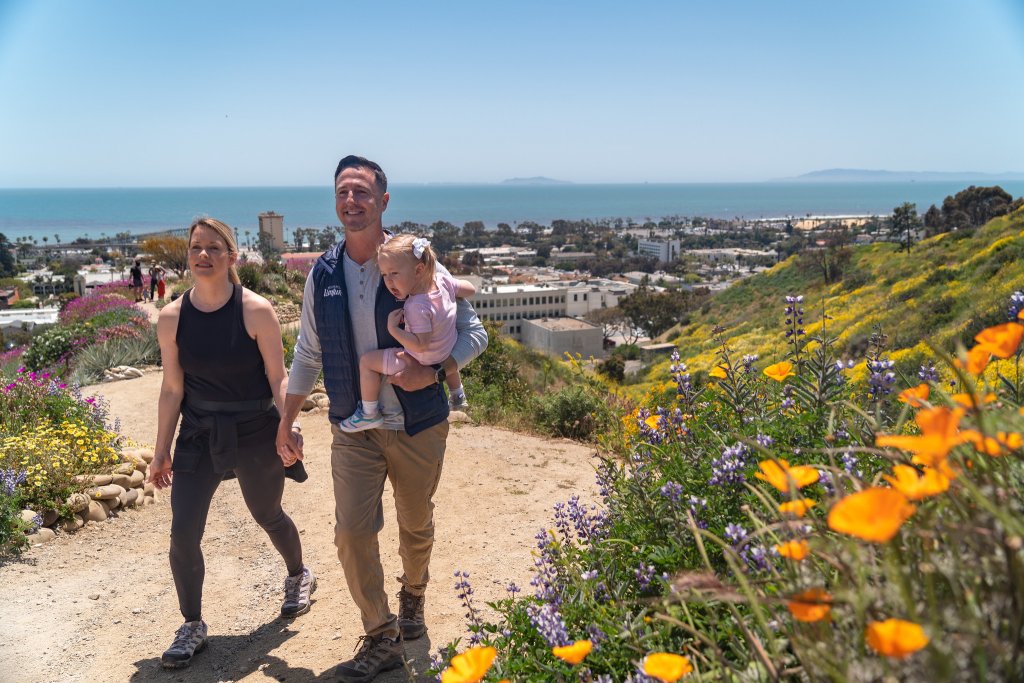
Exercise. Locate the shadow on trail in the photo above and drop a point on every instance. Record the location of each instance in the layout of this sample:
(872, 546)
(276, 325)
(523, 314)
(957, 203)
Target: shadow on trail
(233, 657)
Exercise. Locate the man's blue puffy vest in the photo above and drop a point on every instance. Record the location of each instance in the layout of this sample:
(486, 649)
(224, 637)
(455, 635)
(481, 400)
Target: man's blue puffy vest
(423, 409)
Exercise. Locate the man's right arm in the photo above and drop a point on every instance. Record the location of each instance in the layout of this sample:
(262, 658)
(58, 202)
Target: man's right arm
(306, 364)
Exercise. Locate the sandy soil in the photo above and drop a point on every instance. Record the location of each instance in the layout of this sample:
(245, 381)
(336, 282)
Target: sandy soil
(99, 604)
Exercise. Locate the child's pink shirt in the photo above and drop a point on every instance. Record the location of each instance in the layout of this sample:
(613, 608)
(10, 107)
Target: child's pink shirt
(434, 313)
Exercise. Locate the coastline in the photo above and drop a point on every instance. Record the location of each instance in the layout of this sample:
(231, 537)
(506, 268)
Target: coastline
(70, 213)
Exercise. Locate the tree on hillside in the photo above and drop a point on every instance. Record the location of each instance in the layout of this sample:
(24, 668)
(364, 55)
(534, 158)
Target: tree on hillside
(612, 321)
(904, 222)
(7, 267)
(655, 312)
(170, 252)
(265, 246)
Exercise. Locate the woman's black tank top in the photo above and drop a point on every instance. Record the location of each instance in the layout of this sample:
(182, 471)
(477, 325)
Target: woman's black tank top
(221, 361)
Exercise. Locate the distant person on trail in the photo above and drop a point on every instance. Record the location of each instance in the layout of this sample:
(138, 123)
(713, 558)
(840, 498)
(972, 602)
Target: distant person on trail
(152, 281)
(345, 312)
(136, 274)
(223, 373)
(408, 266)
(161, 282)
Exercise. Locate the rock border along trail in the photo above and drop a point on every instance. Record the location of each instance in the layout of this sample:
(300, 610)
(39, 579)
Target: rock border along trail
(99, 604)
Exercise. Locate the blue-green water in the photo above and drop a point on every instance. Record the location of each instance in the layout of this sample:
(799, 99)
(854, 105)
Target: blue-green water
(96, 212)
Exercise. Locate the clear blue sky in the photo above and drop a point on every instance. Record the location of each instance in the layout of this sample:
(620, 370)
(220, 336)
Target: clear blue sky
(184, 93)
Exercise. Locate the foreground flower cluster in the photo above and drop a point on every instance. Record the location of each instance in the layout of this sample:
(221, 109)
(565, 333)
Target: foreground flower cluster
(786, 520)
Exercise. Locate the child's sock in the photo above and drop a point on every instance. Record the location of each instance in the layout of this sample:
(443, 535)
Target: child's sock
(370, 408)
(457, 393)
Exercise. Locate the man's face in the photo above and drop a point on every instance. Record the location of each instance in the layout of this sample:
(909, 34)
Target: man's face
(358, 201)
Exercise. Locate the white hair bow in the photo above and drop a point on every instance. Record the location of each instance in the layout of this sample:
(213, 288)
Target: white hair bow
(418, 245)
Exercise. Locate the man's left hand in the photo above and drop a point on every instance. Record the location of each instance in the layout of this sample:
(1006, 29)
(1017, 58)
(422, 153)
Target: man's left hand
(413, 376)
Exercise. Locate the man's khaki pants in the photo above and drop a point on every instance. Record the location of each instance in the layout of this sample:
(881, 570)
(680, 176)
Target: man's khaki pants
(360, 463)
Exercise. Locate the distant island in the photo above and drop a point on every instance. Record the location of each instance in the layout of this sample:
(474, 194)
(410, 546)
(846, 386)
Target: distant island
(536, 180)
(857, 175)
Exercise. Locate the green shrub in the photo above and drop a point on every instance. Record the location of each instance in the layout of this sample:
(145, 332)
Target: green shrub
(12, 527)
(90, 364)
(52, 347)
(574, 412)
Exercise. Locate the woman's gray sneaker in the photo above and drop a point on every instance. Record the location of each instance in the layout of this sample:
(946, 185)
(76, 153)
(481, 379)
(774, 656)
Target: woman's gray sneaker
(376, 655)
(190, 639)
(297, 590)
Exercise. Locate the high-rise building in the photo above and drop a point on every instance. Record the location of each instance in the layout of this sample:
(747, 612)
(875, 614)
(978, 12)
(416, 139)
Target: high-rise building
(273, 225)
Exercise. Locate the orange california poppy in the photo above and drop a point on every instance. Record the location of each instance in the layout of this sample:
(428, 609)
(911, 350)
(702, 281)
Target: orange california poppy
(811, 605)
(967, 401)
(797, 508)
(915, 396)
(470, 666)
(998, 445)
(895, 637)
(666, 667)
(780, 371)
(1002, 341)
(575, 653)
(779, 474)
(794, 550)
(938, 435)
(977, 360)
(718, 372)
(915, 487)
(874, 514)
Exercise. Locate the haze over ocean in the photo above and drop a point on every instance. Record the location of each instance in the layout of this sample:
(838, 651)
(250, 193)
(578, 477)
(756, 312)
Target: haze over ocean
(71, 213)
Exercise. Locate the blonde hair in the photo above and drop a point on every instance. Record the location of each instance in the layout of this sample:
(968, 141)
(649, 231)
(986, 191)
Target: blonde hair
(223, 231)
(401, 245)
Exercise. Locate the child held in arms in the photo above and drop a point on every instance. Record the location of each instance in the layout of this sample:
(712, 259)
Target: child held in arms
(408, 266)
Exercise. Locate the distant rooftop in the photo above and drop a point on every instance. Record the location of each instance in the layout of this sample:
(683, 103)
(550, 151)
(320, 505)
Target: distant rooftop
(561, 324)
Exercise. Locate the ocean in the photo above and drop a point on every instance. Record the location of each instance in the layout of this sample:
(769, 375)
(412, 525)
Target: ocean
(93, 213)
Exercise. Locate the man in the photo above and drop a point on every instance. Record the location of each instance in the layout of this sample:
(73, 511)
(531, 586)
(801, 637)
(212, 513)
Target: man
(344, 314)
(136, 277)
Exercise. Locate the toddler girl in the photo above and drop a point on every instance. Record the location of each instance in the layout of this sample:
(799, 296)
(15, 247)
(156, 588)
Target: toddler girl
(407, 265)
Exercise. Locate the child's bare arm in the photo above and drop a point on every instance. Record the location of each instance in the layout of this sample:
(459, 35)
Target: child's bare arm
(414, 341)
(465, 289)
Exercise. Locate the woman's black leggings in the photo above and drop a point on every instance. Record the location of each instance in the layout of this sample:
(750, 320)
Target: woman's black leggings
(261, 478)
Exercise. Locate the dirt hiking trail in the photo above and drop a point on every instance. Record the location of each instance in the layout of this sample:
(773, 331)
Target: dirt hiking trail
(99, 604)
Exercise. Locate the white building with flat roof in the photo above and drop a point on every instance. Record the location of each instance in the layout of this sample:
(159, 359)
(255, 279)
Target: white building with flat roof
(512, 304)
(591, 295)
(559, 336)
(664, 251)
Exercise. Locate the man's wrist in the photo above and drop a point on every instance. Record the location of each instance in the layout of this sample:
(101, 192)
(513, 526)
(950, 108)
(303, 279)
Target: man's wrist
(439, 372)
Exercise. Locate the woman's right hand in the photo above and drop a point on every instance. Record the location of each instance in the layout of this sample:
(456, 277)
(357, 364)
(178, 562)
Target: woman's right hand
(159, 471)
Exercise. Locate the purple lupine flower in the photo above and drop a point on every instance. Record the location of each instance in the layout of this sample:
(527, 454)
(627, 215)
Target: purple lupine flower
(644, 575)
(9, 480)
(698, 505)
(849, 461)
(672, 491)
(728, 469)
(825, 479)
(548, 622)
(764, 440)
(1016, 305)
(735, 534)
(589, 575)
(756, 556)
(748, 363)
(928, 373)
(881, 378)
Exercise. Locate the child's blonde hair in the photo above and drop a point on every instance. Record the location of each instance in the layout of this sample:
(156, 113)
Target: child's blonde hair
(406, 244)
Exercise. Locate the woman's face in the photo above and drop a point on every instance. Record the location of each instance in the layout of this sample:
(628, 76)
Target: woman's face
(208, 255)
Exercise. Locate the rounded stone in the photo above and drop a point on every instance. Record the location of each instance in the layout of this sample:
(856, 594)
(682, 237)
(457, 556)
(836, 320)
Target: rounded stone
(107, 492)
(112, 503)
(96, 512)
(123, 480)
(74, 523)
(50, 517)
(44, 535)
(137, 479)
(93, 479)
(148, 488)
(28, 516)
(122, 500)
(77, 502)
(148, 500)
(131, 496)
(124, 468)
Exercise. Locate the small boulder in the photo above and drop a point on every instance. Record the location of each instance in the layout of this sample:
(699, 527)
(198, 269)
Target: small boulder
(131, 496)
(77, 502)
(136, 480)
(93, 479)
(44, 535)
(108, 492)
(28, 516)
(308, 404)
(73, 524)
(122, 480)
(148, 488)
(50, 517)
(96, 512)
(457, 416)
(125, 468)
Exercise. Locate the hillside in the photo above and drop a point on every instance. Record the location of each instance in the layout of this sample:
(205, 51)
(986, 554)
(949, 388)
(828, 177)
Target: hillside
(946, 290)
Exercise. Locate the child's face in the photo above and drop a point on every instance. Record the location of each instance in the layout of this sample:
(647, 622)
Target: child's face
(402, 274)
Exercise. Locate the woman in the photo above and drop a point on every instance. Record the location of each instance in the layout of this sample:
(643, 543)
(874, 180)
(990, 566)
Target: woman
(223, 373)
(161, 282)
